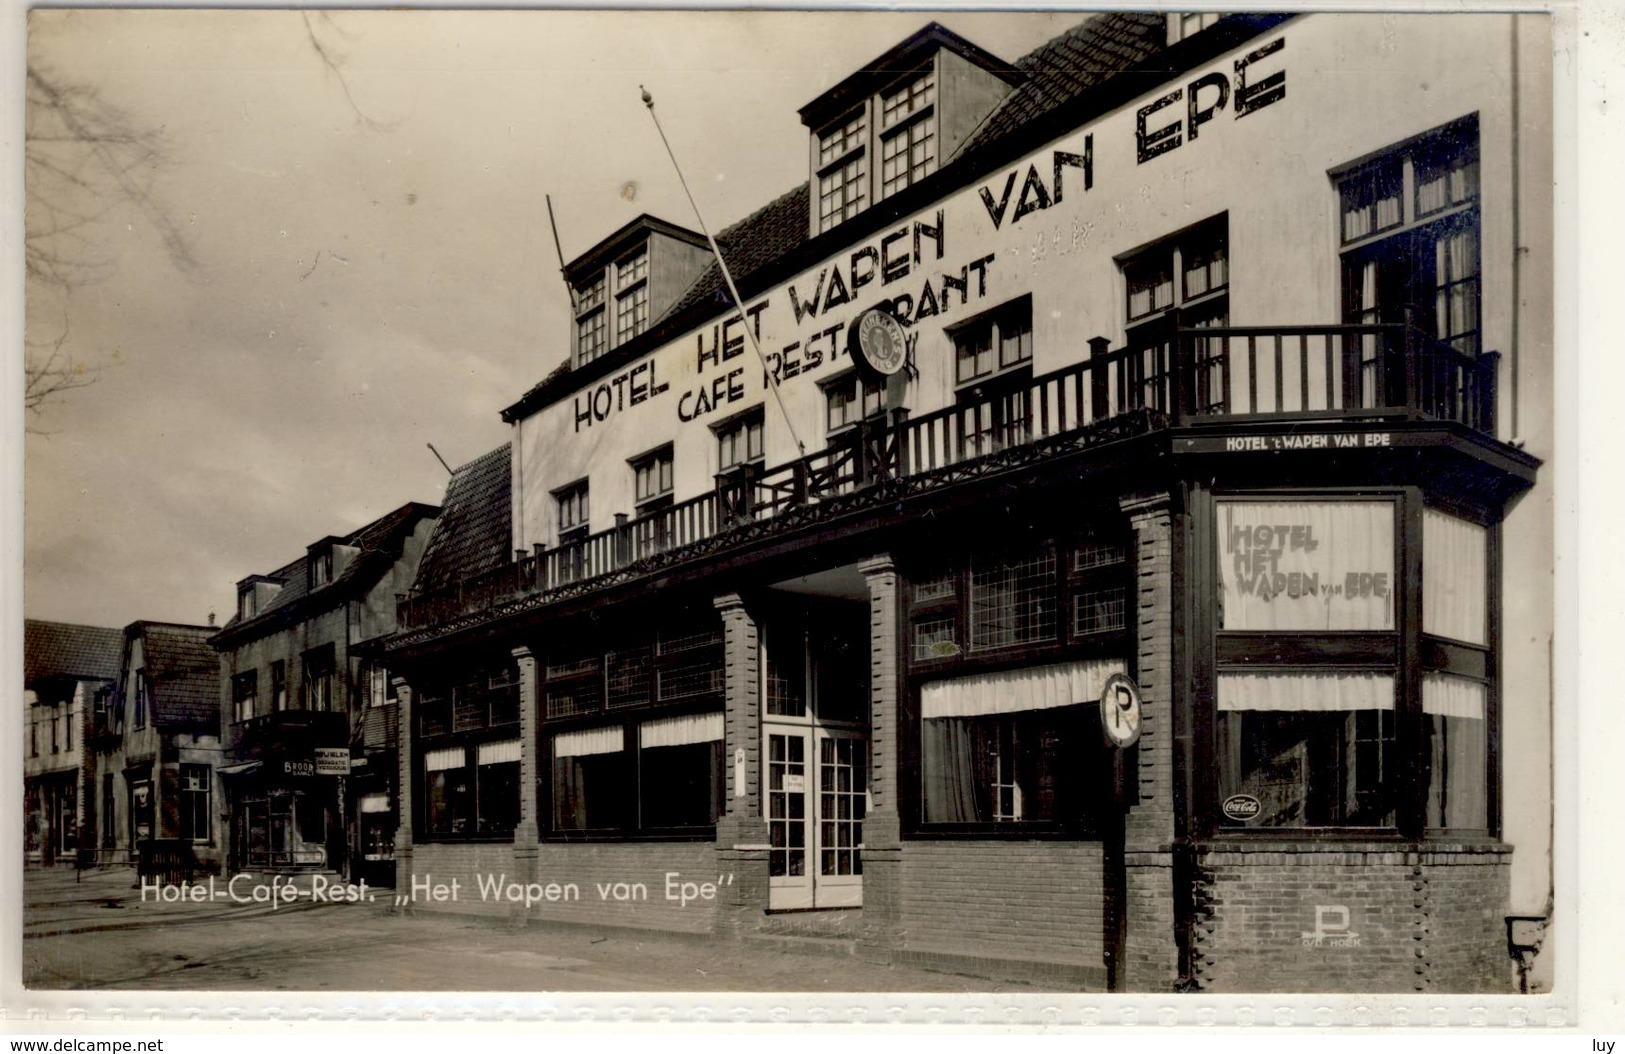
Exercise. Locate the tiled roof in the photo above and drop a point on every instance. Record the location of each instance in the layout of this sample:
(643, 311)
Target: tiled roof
(473, 534)
(379, 543)
(184, 672)
(755, 241)
(65, 649)
(1071, 64)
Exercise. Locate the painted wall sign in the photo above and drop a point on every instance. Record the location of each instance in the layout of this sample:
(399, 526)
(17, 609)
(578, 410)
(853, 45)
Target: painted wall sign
(627, 388)
(299, 768)
(875, 340)
(1035, 194)
(739, 772)
(1205, 97)
(1242, 807)
(1120, 710)
(1306, 565)
(1332, 924)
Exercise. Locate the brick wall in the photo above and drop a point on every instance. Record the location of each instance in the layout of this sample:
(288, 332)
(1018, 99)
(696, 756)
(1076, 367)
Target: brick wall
(1026, 902)
(1425, 921)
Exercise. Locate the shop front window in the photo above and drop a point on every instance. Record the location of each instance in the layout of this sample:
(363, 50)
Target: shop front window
(1310, 726)
(1312, 750)
(472, 791)
(644, 777)
(1013, 748)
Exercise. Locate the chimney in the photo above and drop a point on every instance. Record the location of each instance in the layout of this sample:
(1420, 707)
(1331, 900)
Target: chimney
(211, 620)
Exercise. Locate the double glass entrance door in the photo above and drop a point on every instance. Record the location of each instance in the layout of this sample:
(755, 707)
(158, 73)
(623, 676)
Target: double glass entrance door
(817, 790)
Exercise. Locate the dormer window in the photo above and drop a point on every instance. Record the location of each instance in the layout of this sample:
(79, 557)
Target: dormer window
(843, 172)
(889, 125)
(907, 134)
(247, 603)
(631, 295)
(623, 285)
(1182, 24)
(592, 323)
(321, 567)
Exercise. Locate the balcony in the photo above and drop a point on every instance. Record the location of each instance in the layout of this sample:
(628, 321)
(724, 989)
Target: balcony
(1341, 374)
(288, 733)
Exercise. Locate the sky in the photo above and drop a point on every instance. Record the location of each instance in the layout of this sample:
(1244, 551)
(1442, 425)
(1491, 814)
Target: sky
(360, 261)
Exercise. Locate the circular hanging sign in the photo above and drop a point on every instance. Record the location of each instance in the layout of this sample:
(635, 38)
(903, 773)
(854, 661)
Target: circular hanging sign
(1120, 710)
(875, 340)
(1242, 807)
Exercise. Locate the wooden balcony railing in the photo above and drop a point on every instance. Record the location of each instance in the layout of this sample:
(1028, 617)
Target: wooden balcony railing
(1185, 377)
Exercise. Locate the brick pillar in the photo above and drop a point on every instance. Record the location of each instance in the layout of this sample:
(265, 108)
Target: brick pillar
(741, 844)
(404, 787)
(525, 847)
(882, 841)
(1151, 953)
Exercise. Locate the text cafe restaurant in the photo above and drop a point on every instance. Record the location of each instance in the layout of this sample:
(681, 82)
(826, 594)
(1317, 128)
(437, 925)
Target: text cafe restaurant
(1130, 567)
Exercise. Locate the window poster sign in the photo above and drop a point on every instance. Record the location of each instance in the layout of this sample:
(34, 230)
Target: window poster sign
(1306, 565)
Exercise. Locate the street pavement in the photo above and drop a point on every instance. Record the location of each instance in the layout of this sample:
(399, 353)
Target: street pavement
(91, 931)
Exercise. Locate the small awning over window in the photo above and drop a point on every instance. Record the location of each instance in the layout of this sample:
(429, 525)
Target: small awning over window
(498, 753)
(441, 760)
(1315, 692)
(589, 741)
(681, 731)
(1011, 691)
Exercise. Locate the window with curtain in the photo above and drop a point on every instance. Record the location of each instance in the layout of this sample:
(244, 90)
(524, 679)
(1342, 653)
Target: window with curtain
(1306, 565)
(471, 790)
(1411, 242)
(639, 777)
(1455, 578)
(1014, 747)
(1313, 749)
(1458, 751)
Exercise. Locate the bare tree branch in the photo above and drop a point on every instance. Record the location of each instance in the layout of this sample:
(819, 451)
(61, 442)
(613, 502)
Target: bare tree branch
(334, 63)
(84, 159)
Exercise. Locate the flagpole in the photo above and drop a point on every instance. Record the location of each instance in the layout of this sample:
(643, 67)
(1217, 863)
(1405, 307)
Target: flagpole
(733, 290)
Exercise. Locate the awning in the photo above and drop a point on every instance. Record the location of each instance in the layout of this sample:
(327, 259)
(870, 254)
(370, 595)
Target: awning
(240, 769)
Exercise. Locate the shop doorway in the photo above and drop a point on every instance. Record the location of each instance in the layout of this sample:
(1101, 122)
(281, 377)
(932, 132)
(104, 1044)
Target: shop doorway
(285, 829)
(817, 793)
(815, 741)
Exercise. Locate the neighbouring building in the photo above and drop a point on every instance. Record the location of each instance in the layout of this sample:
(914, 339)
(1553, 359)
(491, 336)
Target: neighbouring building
(153, 776)
(64, 666)
(1184, 384)
(309, 724)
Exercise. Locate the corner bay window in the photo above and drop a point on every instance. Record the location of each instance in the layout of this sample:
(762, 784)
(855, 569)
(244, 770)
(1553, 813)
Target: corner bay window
(1014, 747)
(1297, 746)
